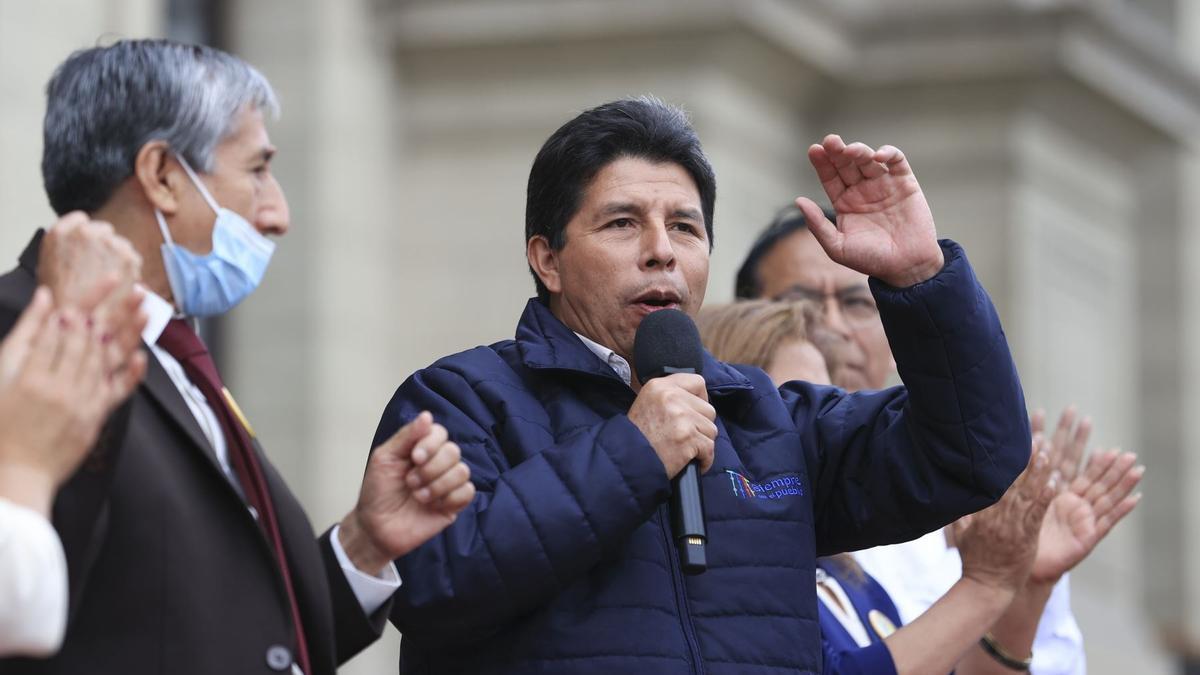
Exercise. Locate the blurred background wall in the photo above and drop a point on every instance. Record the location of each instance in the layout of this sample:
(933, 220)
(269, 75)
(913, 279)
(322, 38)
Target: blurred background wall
(1056, 139)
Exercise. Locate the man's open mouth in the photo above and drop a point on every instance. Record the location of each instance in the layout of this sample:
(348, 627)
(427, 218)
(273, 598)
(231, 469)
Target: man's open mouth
(657, 299)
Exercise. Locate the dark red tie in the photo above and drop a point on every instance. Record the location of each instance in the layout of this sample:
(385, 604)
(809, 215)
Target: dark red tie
(181, 342)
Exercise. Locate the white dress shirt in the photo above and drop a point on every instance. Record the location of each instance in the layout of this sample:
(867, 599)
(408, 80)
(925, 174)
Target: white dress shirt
(919, 572)
(619, 365)
(33, 583)
(371, 591)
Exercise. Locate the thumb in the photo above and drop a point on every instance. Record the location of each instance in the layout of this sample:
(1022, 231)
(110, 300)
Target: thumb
(826, 232)
(400, 445)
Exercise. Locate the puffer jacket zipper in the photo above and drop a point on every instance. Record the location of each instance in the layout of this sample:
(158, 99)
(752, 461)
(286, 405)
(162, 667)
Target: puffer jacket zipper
(681, 601)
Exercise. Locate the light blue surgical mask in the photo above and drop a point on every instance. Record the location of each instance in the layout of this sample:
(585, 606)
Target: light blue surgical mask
(212, 284)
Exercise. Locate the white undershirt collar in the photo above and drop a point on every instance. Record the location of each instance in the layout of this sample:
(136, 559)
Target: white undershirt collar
(615, 361)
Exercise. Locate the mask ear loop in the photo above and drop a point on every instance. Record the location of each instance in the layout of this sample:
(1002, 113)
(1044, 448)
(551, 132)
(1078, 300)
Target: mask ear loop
(162, 227)
(212, 203)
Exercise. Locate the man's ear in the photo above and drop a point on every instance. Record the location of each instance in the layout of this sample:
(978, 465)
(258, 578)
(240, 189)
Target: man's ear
(543, 260)
(159, 176)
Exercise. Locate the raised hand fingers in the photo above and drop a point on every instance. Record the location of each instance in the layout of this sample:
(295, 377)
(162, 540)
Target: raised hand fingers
(73, 359)
(1037, 487)
(1073, 454)
(44, 351)
(827, 173)
(1105, 483)
(1041, 473)
(1105, 523)
(123, 339)
(1036, 476)
(1097, 465)
(1037, 422)
(1121, 487)
(1062, 432)
(123, 381)
(893, 158)
(846, 158)
(863, 157)
(1069, 442)
(20, 342)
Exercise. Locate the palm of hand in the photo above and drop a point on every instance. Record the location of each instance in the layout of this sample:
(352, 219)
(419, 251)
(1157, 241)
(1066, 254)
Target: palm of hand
(886, 224)
(885, 228)
(1067, 536)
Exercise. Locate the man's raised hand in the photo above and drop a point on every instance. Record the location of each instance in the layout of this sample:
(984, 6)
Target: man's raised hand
(885, 228)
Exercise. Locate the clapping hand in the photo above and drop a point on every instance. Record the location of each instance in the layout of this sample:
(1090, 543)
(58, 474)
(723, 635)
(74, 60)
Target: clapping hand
(885, 228)
(1068, 443)
(998, 545)
(57, 389)
(1083, 514)
(91, 269)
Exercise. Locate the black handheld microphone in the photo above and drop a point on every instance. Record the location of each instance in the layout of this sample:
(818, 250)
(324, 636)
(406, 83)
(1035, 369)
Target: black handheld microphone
(667, 342)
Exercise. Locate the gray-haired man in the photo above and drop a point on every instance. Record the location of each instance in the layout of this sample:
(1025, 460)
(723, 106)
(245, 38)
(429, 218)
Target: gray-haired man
(186, 552)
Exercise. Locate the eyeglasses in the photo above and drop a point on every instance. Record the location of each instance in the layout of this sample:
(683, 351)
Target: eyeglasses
(855, 304)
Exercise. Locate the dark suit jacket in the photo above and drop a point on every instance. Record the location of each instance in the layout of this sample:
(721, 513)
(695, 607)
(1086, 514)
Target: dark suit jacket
(169, 573)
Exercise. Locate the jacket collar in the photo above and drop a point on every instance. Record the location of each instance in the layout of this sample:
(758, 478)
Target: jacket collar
(545, 343)
(29, 257)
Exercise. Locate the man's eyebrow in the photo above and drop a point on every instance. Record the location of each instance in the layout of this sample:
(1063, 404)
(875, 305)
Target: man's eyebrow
(800, 289)
(266, 153)
(689, 214)
(616, 208)
(856, 287)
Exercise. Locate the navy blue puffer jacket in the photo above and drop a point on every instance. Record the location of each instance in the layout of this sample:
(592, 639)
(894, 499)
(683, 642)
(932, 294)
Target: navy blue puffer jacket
(563, 563)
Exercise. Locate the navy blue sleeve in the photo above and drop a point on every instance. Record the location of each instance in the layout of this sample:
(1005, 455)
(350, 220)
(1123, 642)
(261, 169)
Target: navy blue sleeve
(535, 525)
(892, 465)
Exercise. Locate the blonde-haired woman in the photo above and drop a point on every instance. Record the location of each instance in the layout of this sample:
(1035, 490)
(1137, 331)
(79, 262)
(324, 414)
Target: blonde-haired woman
(775, 336)
(999, 545)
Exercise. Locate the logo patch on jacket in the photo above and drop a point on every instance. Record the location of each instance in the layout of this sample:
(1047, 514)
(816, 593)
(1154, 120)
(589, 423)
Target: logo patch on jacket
(777, 488)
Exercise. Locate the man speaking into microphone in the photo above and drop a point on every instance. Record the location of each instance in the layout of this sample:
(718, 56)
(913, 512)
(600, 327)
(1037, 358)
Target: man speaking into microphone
(567, 561)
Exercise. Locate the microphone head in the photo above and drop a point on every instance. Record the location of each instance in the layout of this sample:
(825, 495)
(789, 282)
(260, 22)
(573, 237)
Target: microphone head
(667, 339)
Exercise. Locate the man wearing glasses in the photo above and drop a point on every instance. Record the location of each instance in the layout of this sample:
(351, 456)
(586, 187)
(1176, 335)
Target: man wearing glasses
(787, 263)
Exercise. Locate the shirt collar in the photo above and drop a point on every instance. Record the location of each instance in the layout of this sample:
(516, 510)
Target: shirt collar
(615, 361)
(158, 313)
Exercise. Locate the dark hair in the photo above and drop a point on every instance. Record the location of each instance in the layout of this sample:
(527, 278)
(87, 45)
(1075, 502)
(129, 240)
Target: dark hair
(642, 127)
(103, 104)
(789, 219)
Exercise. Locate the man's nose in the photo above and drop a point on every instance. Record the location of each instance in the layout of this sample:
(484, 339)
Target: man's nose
(657, 250)
(833, 318)
(273, 216)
